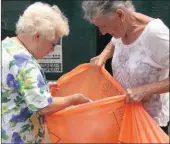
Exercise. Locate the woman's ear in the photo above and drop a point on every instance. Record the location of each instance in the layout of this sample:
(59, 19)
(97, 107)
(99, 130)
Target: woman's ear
(120, 14)
(36, 37)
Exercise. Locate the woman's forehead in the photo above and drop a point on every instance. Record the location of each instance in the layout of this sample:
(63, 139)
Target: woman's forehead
(103, 19)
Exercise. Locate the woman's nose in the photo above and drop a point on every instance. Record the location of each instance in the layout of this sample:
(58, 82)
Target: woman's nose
(103, 32)
(52, 49)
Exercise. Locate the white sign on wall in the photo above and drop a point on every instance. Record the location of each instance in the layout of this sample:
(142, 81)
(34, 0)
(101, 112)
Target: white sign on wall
(53, 63)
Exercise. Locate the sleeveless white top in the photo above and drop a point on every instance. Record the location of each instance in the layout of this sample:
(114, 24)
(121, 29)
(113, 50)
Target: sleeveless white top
(145, 61)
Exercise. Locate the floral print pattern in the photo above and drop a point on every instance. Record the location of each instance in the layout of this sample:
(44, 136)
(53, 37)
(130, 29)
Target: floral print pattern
(24, 91)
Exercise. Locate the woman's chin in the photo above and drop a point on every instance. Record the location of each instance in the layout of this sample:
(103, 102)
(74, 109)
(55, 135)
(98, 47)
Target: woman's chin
(115, 36)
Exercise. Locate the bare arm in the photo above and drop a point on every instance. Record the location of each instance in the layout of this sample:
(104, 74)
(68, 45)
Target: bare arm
(60, 103)
(108, 51)
(101, 59)
(138, 93)
(158, 87)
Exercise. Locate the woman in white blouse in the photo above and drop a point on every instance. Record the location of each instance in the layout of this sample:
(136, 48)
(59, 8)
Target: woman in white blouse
(140, 51)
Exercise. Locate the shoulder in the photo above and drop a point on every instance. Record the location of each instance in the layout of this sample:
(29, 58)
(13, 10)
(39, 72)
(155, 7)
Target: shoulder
(156, 35)
(156, 42)
(9, 46)
(115, 41)
(156, 29)
(11, 50)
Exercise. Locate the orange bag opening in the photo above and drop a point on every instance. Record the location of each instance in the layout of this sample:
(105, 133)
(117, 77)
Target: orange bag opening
(93, 83)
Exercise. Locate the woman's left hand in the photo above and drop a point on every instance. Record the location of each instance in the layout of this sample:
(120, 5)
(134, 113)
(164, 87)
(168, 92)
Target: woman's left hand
(52, 84)
(138, 93)
(135, 95)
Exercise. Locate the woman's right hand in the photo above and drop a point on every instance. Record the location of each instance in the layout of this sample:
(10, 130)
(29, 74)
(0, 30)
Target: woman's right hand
(60, 103)
(98, 61)
(80, 99)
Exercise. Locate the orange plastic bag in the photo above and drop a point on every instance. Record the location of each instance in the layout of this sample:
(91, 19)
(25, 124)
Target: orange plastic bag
(101, 120)
(138, 127)
(96, 122)
(93, 83)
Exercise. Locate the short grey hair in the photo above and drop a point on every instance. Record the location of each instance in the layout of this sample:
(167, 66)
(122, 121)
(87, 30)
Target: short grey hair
(94, 8)
(44, 19)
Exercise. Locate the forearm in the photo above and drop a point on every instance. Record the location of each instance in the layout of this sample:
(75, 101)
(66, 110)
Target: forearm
(59, 103)
(107, 52)
(157, 87)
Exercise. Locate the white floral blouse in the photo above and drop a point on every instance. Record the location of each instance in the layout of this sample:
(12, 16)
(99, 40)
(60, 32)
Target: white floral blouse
(145, 61)
(24, 91)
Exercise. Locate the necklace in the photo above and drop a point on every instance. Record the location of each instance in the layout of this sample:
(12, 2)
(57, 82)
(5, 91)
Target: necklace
(23, 44)
(21, 41)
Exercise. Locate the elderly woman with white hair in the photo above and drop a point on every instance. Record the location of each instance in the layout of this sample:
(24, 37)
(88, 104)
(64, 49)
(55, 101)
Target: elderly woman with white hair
(140, 53)
(25, 92)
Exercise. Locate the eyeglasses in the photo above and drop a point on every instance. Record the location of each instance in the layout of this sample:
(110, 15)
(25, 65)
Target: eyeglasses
(55, 43)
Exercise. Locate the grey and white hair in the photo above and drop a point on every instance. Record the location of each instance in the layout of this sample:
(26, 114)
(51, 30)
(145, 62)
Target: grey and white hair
(93, 8)
(44, 19)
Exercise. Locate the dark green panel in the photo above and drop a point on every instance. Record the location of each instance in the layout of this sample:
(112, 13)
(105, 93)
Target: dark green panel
(10, 12)
(154, 8)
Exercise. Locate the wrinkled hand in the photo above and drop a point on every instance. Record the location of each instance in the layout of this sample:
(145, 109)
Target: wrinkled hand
(135, 95)
(97, 61)
(80, 99)
(52, 84)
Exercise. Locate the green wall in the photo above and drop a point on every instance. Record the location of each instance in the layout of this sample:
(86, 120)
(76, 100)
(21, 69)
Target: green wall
(154, 8)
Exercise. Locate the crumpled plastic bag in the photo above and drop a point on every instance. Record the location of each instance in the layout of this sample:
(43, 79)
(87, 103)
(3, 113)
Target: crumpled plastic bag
(105, 120)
